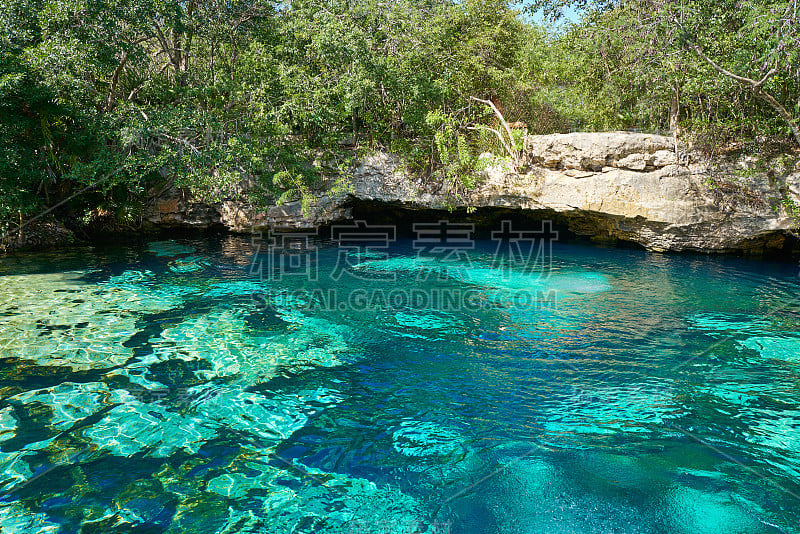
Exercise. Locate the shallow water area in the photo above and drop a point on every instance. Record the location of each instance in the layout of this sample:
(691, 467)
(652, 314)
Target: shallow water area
(172, 387)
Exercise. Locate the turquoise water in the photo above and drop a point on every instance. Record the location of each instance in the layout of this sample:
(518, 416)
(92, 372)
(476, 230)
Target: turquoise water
(168, 387)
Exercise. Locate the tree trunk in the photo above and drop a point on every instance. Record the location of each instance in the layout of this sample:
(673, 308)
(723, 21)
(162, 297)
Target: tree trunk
(189, 35)
(674, 111)
(674, 115)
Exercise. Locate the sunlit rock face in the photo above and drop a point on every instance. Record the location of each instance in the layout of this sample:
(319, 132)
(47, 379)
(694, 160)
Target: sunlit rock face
(595, 151)
(609, 186)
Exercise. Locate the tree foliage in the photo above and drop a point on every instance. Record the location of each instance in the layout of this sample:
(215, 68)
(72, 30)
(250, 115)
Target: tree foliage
(727, 67)
(115, 98)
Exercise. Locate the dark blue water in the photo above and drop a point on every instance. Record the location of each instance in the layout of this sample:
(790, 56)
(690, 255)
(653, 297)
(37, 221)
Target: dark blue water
(199, 386)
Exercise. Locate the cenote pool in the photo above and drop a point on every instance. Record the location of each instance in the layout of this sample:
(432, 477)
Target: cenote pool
(171, 387)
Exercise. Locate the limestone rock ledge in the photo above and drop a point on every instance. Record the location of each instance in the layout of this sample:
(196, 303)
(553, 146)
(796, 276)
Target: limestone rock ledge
(609, 186)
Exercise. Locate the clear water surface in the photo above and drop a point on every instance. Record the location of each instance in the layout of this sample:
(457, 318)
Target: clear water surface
(165, 387)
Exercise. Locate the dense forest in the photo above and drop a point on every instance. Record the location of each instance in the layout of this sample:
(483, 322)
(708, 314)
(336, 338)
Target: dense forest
(103, 102)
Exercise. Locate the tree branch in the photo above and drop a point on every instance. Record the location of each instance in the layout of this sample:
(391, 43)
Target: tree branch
(499, 136)
(729, 74)
(508, 145)
(756, 86)
(785, 115)
(496, 112)
(112, 90)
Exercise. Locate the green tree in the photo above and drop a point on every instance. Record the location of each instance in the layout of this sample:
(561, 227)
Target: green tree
(734, 61)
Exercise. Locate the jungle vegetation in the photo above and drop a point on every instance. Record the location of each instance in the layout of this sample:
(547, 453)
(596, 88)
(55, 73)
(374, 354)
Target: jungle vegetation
(104, 102)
